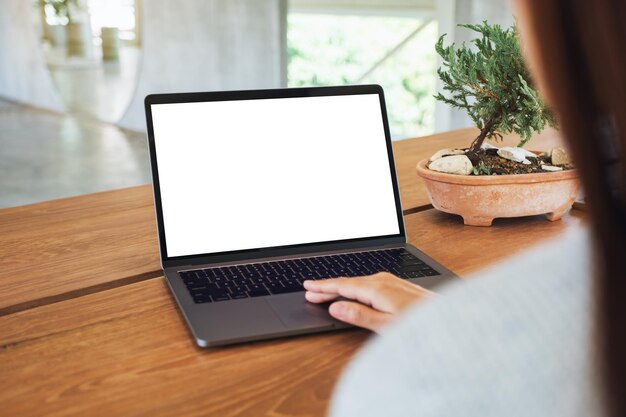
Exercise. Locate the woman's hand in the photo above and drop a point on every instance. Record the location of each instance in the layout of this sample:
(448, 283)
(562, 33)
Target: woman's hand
(379, 298)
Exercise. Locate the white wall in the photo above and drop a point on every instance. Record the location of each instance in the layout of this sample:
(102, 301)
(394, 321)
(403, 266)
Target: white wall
(24, 76)
(203, 45)
(199, 45)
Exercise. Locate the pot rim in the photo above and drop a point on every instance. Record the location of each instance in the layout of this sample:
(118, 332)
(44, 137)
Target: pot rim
(426, 173)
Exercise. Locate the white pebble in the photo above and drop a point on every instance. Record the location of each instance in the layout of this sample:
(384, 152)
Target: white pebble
(447, 151)
(486, 145)
(455, 164)
(512, 154)
(559, 156)
(551, 168)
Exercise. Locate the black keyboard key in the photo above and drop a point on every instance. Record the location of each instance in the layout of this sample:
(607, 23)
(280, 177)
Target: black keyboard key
(206, 287)
(200, 297)
(237, 295)
(430, 272)
(274, 286)
(411, 274)
(306, 275)
(410, 268)
(407, 262)
(220, 296)
(285, 290)
(356, 272)
(258, 293)
(196, 287)
(188, 275)
(256, 287)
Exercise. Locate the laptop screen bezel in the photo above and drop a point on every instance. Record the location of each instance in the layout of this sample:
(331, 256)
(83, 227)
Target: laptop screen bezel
(287, 250)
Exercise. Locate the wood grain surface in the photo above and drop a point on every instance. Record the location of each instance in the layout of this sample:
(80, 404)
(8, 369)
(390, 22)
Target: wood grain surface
(466, 249)
(66, 248)
(409, 152)
(126, 351)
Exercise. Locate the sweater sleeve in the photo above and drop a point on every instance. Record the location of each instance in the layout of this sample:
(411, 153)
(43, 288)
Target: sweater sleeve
(511, 341)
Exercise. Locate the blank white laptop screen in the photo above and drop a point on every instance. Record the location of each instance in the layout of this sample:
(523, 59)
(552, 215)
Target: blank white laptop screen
(251, 174)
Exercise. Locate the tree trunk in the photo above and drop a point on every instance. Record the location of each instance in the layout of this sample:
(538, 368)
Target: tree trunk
(486, 130)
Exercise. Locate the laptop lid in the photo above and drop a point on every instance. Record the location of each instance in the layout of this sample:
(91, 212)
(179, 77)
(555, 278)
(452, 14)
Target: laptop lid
(255, 174)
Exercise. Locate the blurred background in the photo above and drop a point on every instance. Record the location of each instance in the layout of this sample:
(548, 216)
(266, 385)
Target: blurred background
(73, 73)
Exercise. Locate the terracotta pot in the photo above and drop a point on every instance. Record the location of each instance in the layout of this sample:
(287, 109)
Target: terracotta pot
(480, 199)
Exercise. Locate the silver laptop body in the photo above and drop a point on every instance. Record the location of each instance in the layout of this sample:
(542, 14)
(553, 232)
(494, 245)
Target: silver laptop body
(245, 180)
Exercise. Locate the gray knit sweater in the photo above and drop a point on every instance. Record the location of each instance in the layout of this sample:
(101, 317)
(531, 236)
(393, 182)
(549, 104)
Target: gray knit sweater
(513, 341)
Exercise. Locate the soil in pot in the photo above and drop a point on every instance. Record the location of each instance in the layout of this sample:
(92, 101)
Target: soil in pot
(492, 163)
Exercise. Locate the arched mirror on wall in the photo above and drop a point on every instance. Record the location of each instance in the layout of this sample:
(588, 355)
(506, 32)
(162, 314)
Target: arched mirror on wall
(92, 49)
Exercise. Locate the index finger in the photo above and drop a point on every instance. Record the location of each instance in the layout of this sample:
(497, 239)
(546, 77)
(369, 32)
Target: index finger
(353, 288)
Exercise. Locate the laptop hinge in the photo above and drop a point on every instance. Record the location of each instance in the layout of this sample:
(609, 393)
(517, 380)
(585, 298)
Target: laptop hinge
(268, 257)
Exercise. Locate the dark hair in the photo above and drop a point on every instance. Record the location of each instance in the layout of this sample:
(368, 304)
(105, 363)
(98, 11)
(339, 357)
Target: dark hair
(581, 51)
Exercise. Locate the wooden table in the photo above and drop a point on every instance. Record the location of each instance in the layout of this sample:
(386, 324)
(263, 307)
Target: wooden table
(88, 327)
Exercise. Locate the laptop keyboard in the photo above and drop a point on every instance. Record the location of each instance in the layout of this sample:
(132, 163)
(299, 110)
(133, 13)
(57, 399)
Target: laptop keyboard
(280, 277)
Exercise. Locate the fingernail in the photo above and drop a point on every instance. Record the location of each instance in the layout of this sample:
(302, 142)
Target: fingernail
(337, 309)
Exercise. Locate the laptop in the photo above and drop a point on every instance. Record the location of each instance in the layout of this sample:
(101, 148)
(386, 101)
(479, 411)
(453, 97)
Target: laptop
(257, 191)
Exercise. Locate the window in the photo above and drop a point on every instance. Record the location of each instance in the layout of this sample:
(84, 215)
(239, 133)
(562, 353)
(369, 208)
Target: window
(114, 13)
(396, 52)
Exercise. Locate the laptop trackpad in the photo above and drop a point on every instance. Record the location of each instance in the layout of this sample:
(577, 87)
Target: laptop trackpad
(296, 312)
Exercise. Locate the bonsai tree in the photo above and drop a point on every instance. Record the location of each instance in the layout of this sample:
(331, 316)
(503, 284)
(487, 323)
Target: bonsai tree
(491, 82)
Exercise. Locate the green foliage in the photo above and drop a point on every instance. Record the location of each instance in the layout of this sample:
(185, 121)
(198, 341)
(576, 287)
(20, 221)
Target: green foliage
(63, 8)
(491, 82)
(339, 49)
(481, 169)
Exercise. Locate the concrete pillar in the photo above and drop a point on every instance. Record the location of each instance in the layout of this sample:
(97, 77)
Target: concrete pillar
(446, 20)
(24, 76)
(204, 45)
